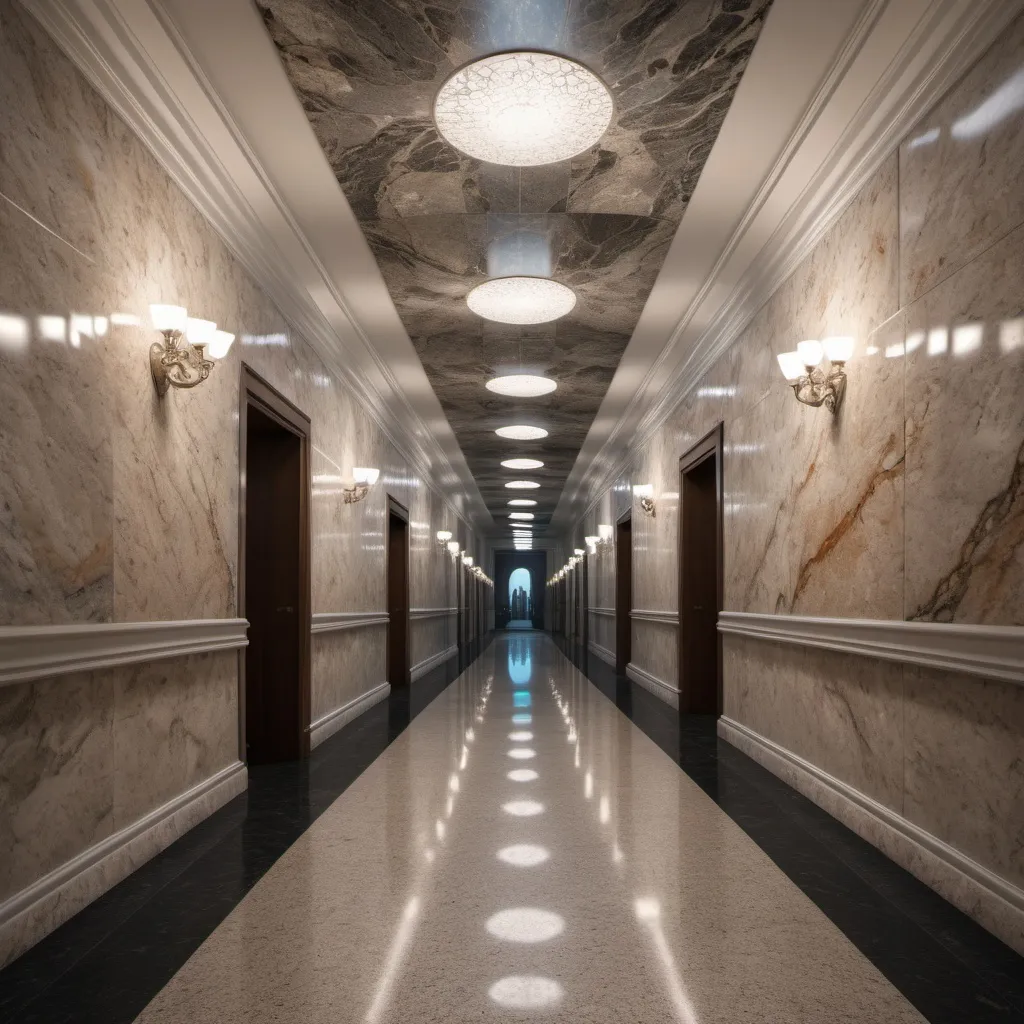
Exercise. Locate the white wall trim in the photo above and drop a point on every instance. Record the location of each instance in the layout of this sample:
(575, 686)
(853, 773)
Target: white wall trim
(993, 901)
(431, 613)
(331, 622)
(39, 652)
(423, 667)
(602, 652)
(29, 915)
(610, 612)
(994, 652)
(666, 691)
(651, 615)
(327, 725)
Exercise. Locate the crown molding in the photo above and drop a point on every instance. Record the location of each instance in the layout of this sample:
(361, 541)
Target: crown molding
(899, 59)
(991, 652)
(133, 53)
(28, 653)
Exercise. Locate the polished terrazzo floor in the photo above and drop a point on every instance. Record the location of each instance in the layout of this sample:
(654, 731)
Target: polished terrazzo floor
(523, 850)
(530, 838)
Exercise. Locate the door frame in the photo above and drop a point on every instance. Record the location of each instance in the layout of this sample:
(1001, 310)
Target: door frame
(254, 390)
(397, 509)
(710, 445)
(620, 521)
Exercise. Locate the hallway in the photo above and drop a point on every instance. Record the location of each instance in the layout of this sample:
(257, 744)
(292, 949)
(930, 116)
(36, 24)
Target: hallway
(523, 850)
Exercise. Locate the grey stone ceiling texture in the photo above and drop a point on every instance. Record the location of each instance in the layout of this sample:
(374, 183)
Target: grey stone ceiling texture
(440, 223)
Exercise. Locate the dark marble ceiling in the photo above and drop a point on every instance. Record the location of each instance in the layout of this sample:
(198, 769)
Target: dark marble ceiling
(439, 222)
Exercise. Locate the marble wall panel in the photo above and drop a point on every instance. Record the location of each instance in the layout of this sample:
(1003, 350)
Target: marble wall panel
(964, 765)
(656, 649)
(346, 664)
(964, 366)
(960, 183)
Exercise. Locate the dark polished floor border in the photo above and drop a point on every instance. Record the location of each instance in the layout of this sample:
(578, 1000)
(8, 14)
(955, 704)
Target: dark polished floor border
(111, 959)
(948, 967)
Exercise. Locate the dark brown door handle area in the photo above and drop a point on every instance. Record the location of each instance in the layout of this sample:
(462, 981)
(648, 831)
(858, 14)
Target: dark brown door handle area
(287, 609)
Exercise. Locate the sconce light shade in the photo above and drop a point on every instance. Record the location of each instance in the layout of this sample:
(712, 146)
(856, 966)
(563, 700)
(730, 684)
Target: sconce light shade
(579, 552)
(219, 344)
(467, 560)
(810, 353)
(791, 365)
(453, 547)
(605, 531)
(591, 540)
(643, 490)
(443, 536)
(365, 475)
(199, 332)
(838, 349)
(168, 318)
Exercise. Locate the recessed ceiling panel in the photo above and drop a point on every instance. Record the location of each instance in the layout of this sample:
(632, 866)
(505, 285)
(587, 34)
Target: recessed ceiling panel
(440, 223)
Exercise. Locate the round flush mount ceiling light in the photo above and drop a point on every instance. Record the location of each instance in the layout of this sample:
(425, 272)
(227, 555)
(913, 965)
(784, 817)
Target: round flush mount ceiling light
(521, 300)
(523, 109)
(522, 501)
(521, 385)
(522, 463)
(522, 485)
(522, 433)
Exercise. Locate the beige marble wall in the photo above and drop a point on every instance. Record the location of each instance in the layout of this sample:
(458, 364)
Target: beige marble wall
(117, 505)
(907, 505)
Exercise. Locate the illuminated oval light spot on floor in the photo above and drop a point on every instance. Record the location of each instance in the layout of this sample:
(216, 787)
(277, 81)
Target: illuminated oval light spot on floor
(522, 719)
(525, 992)
(522, 775)
(522, 753)
(525, 924)
(523, 808)
(523, 855)
(521, 736)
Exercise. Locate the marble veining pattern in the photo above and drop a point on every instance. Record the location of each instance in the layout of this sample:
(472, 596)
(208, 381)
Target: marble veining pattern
(440, 222)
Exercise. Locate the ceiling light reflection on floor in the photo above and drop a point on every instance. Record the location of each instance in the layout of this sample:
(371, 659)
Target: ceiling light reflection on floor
(525, 992)
(522, 718)
(522, 775)
(522, 753)
(523, 808)
(525, 924)
(521, 699)
(520, 736)
(523, 855)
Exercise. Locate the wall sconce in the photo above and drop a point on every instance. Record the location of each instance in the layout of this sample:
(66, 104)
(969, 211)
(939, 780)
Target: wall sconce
(453, 548)
(467, 560)
(811, 385)
(604, 531)
(362, 480)
(644, 493)
(443, 536)
(578, 552)
(178, 364)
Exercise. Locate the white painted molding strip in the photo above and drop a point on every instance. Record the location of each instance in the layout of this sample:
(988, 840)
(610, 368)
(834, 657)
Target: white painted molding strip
(603, 611)
(38, 652)
(37, 910)
(666, 691)
(423, 667)
(327, 725)
(602, 652)
(431, 613)
(994, 902)
(331, 622)
(994, 652)
(650, 615)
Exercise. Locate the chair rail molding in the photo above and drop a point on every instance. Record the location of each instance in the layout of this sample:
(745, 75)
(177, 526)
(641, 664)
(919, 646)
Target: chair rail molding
(993, 652)
(331, 622)
(602, 611)
(652, 615)
(431, 613)
(39, 652)
(147, 61)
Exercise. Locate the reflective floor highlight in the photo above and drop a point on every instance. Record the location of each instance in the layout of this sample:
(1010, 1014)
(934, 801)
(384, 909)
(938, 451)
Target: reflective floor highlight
(522, 850)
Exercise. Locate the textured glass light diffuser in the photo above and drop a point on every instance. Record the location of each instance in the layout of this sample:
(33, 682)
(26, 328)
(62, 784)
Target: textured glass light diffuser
(523, 109)
(521, 385)
(522, 463)
(522, 485)
(521, 300)
(522, 433)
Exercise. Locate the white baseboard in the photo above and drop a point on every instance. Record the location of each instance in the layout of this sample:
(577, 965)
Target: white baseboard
(30, 915)
(602, 652)
(992, 901)
(327, 725)
(423, 667)
(666, 691)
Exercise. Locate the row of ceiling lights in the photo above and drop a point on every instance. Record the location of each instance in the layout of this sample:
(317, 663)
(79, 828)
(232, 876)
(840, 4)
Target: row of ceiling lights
(522, 109)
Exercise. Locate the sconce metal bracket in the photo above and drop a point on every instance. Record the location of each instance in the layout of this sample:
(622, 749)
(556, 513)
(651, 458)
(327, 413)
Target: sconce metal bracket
(817, 389)
(351, 495)
(647, 504)
(177, 365)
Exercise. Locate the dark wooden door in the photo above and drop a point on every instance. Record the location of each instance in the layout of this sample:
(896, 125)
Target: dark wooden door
(623, 594)
(398, 596)
(700, 577)
(275, 575)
